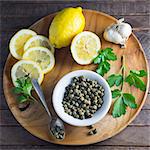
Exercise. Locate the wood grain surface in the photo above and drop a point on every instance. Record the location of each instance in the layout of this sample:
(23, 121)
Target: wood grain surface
(10, 127)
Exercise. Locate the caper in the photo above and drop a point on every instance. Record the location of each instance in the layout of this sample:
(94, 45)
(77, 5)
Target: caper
(95, 107)
(77, 104)
(90, 133)
(91, 126)
(82, 98)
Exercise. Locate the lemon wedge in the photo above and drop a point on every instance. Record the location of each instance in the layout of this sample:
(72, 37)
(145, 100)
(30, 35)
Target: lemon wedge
(42, 56)
(85, 47)
(17, 42)
(39, 40)
(23, 68)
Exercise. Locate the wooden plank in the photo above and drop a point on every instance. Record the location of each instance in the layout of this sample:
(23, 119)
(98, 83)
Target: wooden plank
(138, 21)
(147, 103)
(7, 119)
(3, 104)
(144, 38)
(86, 147)
(143, 119)
(43, 8)
(131, 136)
(134, 136)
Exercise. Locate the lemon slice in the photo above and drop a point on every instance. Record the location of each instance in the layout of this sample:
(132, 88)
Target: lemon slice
(17, 42)
(23, 68)
(85, 47)
(42, 56)
(38, 40)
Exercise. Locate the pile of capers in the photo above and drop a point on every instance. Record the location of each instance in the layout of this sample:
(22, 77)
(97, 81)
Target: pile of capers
(58, 132)
(83, 97)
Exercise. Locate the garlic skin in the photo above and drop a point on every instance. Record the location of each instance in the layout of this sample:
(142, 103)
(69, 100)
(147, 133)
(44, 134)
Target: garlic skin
(118, 33)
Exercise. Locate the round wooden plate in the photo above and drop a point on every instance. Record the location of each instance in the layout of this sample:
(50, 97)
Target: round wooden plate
(35, 119)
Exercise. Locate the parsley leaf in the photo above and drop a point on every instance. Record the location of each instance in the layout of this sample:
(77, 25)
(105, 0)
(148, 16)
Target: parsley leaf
(23, 89)
(121, 103)
(103, 68)
(115, 79)
(116, 93)
(102, 59)
(133, 79)
(22, 98)
(119, 108)
(140, 73)
(109, 55)
(129, 100)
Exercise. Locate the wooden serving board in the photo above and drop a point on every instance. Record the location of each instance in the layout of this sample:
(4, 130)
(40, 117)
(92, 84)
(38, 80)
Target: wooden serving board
(35, 119)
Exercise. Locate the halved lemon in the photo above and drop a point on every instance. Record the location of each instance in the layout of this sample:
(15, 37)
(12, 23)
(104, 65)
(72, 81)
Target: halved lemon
(23, 68)
(85, 47)
(17, 42)
(39, 40)
(42, 56)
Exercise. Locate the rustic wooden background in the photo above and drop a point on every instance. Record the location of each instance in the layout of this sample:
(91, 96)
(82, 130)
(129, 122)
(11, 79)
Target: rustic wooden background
(21, 14)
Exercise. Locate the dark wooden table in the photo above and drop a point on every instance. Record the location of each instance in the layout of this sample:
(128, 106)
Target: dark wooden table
(21, 14)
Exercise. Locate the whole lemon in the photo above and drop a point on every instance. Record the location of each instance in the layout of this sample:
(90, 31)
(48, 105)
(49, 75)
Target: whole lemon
(65, 25)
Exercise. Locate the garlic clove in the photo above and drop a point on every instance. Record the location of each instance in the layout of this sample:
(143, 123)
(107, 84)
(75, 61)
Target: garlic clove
(118, 33)
(112, 36)
(125, 29)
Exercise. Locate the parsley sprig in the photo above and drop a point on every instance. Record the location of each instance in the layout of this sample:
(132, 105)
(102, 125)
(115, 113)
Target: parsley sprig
(134, 79)
(23, 89)
(123, 100)
(103, 59)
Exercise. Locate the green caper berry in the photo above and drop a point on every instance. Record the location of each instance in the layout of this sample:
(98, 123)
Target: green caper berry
(65, 105)
(95, 102)
(91, 126)
(95, 107)
(82, 98)
(92, 111)
(77, 86)
(88, 90)
(82, 117)
(94, 131)
(99, 105)
(102, 94)
(99, 92)
(84, 105)
(74, 113)
(87, 96)
(77, 116)
(92, 95)
(90, 87)
(71, 91)
(90, 133)
(73, 84)
(77, 104)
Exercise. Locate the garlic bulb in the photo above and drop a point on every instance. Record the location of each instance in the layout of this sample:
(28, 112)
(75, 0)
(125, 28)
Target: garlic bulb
(118, 33)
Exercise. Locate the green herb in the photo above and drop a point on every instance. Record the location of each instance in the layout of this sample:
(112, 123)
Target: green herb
(115, 79)
(123, 100)
(102, 59)
(134, 79)
(23, 89)
(116, 93)
(119, 108)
